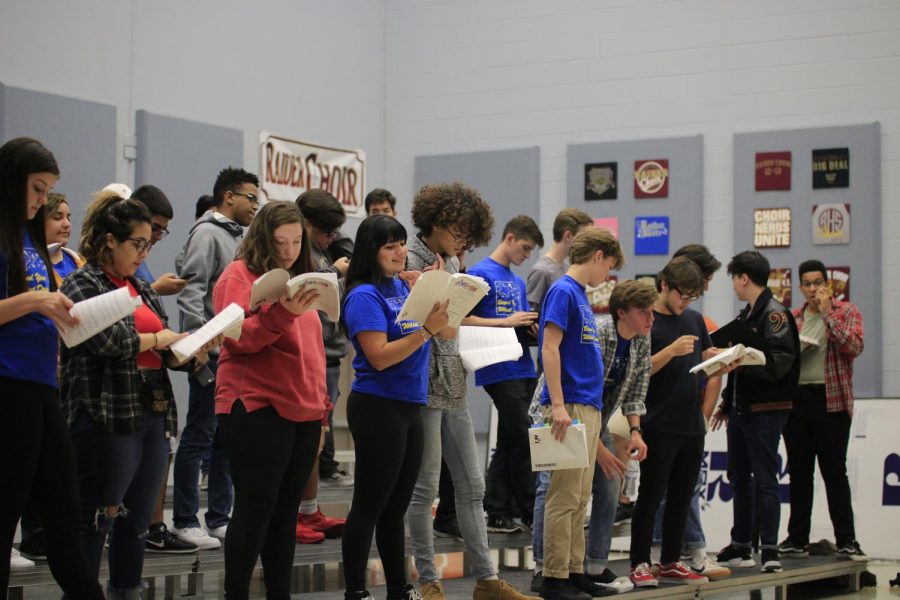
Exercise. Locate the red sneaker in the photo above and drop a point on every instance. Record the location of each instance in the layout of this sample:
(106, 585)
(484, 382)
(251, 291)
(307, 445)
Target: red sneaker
(676, 572)
(642, 577)
(307, 535)
(331, 527)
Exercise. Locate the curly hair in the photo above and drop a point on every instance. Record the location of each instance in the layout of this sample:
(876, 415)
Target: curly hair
(457, 205)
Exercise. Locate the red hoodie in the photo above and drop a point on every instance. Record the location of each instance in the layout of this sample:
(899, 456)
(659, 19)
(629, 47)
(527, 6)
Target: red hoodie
(279, 360)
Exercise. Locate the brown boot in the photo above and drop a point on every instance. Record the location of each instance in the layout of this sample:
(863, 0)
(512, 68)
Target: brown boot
(432, 591)
(497, 589)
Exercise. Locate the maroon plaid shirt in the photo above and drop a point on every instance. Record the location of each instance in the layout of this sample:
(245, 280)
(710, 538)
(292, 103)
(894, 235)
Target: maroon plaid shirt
(845, 342)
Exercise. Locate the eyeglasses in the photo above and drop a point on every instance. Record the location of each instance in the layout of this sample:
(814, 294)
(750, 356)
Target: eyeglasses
(160, 230)
(251, 197)
(140, 244)
(684, 296)
(459, 239)
(813, 283)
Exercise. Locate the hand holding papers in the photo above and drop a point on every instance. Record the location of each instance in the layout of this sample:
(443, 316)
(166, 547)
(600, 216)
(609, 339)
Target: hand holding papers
(808, 342)
(227, 323)
(463, 292)
(549, 454)
(97, 313)
(272, 285)
(740, 354)
(483, 346)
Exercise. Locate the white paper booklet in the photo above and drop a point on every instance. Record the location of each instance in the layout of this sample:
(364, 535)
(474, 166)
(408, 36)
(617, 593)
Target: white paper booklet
(747, 356)
(228, 321)
(807, 342)
(97, 313)
(549, 454)
(483, 346)
(463, 291)
(269, 288)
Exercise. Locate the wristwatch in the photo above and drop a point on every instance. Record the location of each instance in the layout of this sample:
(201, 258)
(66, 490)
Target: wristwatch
(636, 428)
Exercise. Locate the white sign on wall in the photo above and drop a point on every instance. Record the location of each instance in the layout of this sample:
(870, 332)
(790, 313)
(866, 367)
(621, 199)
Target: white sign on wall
(288, 167)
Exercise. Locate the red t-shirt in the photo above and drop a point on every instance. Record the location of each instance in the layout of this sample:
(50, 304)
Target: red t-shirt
(145, 321)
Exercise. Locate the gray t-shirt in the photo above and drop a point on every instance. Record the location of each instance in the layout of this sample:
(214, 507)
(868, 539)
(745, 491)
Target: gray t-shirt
(812, 358)
(541, 276)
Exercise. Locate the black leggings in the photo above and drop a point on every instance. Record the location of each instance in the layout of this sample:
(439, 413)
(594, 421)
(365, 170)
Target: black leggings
(36, 461)
(389, 445)
(271, 459)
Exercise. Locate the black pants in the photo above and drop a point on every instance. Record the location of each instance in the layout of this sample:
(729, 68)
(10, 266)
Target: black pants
(389, 443)
(37, 463)
(510, 481)
(271, 459)
(670, 469)
(813, 433)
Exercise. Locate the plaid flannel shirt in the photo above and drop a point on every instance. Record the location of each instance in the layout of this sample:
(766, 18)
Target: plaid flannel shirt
(101, 374)
(844, 325)
(633, 390)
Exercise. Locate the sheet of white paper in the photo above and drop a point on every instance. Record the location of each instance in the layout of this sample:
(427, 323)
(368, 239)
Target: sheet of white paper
(548, 454)
(97, 313)
(329, 300)
(483, 346)
(228, 322)
(268, 288)
(430, 285)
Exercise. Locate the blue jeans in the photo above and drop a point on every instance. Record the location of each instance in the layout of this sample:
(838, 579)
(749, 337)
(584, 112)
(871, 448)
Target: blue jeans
(118, 469)
(753, 473)
(604, 501)
(449, 432)
(198, 437)
(693, 528)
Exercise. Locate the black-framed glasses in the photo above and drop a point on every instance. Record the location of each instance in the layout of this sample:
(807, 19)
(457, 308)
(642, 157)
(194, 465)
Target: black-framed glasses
(140, 244)
(684, 296)
(459, 239)
(813, 283)
(159, 230)
(253, 198)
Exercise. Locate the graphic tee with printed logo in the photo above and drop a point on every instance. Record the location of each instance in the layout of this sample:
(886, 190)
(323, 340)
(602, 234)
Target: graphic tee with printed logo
(375, 308)
(507, 296)
(581, 363)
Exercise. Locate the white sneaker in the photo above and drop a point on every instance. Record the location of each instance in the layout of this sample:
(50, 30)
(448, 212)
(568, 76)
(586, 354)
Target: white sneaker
(218, 532)
(17, 562)
(198, 537)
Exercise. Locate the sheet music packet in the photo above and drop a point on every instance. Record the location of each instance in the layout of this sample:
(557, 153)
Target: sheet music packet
(480, 347)
(549, 454)
(464, 292)
(269, 288)
(746, 356)
(227, 322)
(97, 313)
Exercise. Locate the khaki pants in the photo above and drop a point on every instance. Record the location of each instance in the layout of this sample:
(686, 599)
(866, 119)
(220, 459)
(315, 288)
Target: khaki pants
(566, 505)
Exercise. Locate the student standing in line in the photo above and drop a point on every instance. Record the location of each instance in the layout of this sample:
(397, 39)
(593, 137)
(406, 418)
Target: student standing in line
(271, 402)
(552, 265)
(36, 456)
(510, 482)
(384, 406)
(573, 368)
(381, 202)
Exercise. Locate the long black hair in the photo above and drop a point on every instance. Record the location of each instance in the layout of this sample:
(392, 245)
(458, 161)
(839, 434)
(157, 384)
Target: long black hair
(19, 158)
(373, 233)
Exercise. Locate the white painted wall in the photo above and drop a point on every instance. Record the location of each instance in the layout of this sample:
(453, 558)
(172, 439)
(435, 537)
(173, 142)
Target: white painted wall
(490, 74)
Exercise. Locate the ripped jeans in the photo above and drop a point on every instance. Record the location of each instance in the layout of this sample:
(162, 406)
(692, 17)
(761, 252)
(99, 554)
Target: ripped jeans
(118, 470)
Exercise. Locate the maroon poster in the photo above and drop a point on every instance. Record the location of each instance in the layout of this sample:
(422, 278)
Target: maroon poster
(839, 278)
(651, 178)
(601, 294)
(773, 171)
(780, 284)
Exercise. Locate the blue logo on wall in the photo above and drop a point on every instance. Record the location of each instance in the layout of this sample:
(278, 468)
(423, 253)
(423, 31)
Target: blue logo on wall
(651, 235)
(718, 487)
(890, 490)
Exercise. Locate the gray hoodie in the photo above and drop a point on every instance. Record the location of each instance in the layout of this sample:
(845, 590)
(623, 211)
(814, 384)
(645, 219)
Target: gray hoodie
(210, 247)
(336, 343)
(446, 374)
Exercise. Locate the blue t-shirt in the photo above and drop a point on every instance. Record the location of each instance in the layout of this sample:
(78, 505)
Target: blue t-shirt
(375, 308)
(66, 266)
(566, 305)
(143, 272)
(507, 296)
(28, 345)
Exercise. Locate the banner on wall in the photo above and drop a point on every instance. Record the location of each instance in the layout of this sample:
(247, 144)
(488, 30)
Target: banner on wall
(609, 223)
(780, 284)
(773, 171)
(651, 178)
(651, 235)
(288, 167)
(600, 181)
(772, 227)
(839, 279)
(831, 224)
(831, 168)
(600, 295)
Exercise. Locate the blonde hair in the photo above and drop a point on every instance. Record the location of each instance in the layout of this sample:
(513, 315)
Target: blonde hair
(591, 239)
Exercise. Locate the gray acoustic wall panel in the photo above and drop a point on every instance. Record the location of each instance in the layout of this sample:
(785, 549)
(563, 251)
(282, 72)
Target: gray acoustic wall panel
(81, 134)
(508, 180)
(862, 254)
(182, 158)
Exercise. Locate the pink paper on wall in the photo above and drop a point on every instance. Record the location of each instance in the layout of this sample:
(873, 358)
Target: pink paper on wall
(611, 223)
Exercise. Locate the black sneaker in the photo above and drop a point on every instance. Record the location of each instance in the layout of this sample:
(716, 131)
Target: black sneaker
(733, 557)
(624, 512)
(537, 580)
(605, 578)
(447, 529)
(34, 547)
(407, 592)
(554, 588)
(160, 540)
(851, 551)
(594, 590)
(770, 562)
(501, 525)
(363, 595)
(791, 549)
